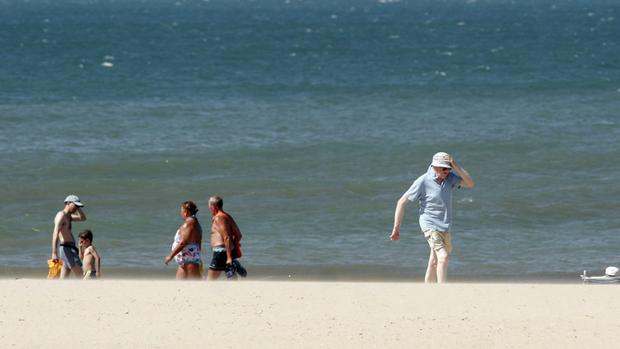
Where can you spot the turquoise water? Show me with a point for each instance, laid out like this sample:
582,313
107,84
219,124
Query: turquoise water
311,118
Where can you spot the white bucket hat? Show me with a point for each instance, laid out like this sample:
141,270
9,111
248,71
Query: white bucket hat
611,271
441,159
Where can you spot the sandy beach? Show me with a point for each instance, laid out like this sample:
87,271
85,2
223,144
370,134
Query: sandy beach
257,314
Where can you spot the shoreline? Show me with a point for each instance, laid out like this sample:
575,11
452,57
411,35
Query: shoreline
256,314
313,273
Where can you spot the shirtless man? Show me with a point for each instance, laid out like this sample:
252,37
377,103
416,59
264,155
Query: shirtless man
225,234
69,252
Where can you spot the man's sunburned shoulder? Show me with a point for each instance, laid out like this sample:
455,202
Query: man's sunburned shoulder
220,219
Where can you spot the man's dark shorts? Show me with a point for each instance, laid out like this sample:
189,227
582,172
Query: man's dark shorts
218,262
69,254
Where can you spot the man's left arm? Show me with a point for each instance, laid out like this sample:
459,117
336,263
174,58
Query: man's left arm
79,215
466,180
223,228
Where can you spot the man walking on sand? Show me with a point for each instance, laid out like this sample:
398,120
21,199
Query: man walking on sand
433,191
69,252
225,238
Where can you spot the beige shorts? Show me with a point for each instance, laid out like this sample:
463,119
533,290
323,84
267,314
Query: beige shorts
438,240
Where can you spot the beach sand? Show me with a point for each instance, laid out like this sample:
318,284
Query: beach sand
280,314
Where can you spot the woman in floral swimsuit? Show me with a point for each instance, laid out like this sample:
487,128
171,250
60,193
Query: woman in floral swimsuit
187,244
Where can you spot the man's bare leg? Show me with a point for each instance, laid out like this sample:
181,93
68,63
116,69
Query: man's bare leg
77,271
442,265
431,269
64,272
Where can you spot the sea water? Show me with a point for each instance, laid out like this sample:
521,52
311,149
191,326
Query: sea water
311,118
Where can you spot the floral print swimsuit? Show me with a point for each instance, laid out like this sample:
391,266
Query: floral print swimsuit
189,254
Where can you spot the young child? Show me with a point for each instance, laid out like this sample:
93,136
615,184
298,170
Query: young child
90,259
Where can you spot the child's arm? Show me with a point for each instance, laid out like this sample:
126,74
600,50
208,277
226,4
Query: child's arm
81,249
97,261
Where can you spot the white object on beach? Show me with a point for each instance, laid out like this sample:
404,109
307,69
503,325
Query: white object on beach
611,271
611,277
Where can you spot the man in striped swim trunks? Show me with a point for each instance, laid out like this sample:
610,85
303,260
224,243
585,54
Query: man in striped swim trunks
433,191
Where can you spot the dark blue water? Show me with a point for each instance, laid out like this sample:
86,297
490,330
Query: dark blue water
311,118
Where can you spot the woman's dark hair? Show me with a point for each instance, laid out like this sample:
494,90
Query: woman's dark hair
190,206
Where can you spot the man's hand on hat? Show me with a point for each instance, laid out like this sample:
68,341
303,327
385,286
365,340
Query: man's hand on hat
451,160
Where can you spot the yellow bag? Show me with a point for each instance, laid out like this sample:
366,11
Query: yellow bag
54,272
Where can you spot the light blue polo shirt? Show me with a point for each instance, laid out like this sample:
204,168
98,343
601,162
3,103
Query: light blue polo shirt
435,199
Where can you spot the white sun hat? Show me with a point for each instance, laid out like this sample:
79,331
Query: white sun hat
441,159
